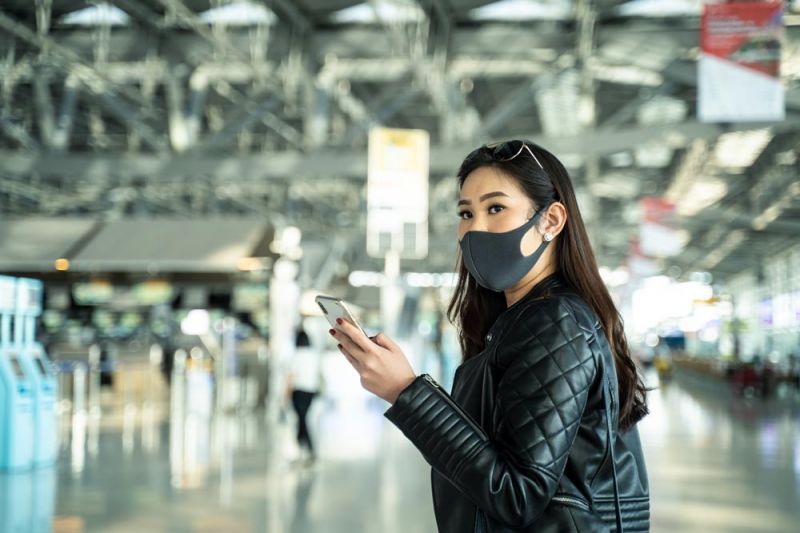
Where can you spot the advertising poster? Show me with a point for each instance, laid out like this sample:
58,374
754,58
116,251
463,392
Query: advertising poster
739,65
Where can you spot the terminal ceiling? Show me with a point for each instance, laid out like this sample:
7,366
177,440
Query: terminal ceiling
165,109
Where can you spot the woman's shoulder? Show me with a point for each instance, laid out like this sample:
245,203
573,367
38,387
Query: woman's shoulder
557,317
558,305
546,331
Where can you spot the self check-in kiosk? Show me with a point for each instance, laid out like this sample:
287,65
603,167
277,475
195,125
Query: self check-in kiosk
16,391
36,365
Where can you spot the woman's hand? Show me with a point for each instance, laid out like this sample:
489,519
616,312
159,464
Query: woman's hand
382,365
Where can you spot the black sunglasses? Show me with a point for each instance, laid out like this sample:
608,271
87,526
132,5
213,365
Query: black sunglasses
508,150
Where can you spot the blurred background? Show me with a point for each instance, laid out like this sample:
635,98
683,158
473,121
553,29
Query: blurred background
180,178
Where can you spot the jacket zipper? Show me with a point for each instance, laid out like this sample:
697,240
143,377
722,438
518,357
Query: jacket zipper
446,397
569,500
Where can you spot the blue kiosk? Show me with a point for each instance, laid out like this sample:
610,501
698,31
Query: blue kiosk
37,366
16,392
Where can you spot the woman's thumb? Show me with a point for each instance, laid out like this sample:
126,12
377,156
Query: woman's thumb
383,340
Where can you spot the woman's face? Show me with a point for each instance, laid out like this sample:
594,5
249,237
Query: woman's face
493,201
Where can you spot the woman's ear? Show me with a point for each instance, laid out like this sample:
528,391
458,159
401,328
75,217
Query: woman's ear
554,219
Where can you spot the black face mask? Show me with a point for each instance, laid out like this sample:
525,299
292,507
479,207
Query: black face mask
495,259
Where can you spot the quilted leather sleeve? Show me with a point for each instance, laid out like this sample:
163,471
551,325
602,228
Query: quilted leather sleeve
540,401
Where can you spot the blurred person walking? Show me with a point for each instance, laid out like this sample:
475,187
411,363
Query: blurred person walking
304,383
539,432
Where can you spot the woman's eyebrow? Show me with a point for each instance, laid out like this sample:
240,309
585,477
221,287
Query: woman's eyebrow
483,198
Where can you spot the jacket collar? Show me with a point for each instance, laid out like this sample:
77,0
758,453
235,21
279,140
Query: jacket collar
552,283
545,288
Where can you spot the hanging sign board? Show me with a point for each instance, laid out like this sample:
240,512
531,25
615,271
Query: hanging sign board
739,65
397,192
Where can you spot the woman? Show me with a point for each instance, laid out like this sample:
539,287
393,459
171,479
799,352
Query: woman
539,431
302,386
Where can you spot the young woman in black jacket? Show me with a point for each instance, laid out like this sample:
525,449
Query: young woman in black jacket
539,432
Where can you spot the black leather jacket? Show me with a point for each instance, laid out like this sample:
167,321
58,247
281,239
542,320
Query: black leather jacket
522,443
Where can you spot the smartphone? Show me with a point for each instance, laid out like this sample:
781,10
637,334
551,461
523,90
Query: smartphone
334,308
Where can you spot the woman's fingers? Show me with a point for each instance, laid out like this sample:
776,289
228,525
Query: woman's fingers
349,346
352,360
355,334
383,340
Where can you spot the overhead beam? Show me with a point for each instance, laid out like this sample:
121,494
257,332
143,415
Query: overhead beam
459,120
140,13
14,131
72,60
271,120
385,106
353,163
287,10
715,236
321,87
508,107
245,116
93,79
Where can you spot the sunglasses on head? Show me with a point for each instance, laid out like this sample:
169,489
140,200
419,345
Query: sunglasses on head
508,150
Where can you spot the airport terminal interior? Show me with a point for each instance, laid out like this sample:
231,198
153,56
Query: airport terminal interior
180,180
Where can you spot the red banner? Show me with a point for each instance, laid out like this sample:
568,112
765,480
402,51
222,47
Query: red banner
747,33
739,67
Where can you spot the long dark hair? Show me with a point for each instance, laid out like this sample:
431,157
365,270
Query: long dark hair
474,309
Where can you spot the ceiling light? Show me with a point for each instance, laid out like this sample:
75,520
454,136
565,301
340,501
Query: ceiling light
626,75
738,150
661,8
62,265
515,10
620,159
238,13
380,11
98,15
662,110
653,155
615,185
701,194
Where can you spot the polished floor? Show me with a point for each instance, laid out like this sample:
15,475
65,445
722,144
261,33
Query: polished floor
716,464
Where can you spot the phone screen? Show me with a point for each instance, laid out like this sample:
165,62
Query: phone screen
334,308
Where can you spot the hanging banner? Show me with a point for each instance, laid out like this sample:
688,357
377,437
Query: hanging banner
659,235
397,192
639,265
739,65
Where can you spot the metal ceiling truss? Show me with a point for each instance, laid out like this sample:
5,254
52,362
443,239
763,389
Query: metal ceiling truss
747,224
278,127
427,53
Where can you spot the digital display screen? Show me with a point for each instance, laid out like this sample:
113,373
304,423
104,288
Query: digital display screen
93,292
7,297
103,319
16,367
52,320
250,297
153,292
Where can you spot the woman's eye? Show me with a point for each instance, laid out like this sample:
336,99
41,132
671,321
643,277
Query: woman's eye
464,215
493,210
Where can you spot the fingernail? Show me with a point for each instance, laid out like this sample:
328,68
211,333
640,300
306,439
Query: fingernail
338,320
332,331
